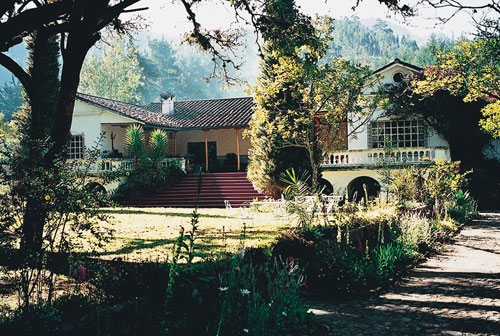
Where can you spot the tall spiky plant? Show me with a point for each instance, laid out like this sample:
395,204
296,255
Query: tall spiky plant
158,141
134,141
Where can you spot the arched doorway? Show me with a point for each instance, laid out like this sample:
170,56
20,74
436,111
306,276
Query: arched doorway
356,191
325,186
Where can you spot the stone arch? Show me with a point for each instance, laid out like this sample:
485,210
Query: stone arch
326,186
95,187
355,190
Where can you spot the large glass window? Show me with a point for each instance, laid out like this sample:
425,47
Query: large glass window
398,134
76,146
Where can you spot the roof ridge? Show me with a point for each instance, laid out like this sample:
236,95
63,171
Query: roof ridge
212,99
109,99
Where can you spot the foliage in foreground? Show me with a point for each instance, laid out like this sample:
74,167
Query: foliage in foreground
233,295
70,202
361,250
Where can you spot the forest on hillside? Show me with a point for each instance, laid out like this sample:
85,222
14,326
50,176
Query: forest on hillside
147,66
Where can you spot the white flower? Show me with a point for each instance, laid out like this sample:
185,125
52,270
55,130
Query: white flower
244,291
223,289
245,330
283,313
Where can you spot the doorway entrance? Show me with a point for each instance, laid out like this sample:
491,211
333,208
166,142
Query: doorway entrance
197,150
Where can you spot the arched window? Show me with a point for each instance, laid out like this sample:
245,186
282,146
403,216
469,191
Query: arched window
398,77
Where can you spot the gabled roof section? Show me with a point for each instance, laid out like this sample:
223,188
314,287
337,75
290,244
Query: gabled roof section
187,115
210,113
396,62
130,110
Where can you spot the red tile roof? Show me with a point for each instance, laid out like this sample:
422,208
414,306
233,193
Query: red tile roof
187,115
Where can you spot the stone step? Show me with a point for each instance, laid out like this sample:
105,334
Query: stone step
215,189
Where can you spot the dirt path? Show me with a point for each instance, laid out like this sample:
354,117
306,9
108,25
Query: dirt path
454,293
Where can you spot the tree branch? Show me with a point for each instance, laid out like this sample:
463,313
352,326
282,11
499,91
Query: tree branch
17,71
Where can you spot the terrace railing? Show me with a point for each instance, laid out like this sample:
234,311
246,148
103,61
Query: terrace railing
374,157
110,165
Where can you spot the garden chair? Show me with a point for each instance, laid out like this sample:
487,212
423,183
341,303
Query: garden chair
243,212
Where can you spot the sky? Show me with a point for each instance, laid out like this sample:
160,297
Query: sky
168,17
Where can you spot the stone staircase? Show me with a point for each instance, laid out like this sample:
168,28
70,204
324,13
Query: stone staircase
215,189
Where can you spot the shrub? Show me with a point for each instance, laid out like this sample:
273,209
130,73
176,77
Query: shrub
146,180
463,207
361,252
416,236
407,186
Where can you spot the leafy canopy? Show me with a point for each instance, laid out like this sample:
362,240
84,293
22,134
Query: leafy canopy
471,70
300,101
115,75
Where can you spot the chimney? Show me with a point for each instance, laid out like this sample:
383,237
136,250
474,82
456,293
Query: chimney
167,103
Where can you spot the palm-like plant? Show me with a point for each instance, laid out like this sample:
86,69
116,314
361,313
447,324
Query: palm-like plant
158,141
134,139
297,189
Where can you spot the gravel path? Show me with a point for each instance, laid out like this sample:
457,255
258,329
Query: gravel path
456,292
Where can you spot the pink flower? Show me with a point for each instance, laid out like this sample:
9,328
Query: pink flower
360,247
80,273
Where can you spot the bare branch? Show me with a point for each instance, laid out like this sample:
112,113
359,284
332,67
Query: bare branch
221,44
474,10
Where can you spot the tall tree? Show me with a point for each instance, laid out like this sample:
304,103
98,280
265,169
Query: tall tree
36,123
160,70
300,101
10,98
278,95
115,73
470,70
78,24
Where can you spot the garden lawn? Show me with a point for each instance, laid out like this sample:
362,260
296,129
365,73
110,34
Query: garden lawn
148,234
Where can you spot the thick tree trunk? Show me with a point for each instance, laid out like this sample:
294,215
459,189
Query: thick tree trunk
73,56
35,212
33,225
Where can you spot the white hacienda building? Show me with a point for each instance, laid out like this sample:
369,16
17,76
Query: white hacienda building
210,133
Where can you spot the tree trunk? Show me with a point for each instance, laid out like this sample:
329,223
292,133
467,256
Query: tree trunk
33,224
35,214
73,56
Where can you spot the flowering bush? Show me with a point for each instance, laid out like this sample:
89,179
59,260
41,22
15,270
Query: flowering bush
64,209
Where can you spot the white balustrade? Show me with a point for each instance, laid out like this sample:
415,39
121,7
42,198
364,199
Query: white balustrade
376,156
109,165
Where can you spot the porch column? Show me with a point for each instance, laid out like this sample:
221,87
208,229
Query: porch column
175,143
206,150
238,148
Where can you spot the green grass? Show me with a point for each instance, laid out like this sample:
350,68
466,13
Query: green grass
150,234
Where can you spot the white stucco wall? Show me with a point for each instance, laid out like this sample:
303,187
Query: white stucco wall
340,179
225,139
91,121
359,139
492,151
